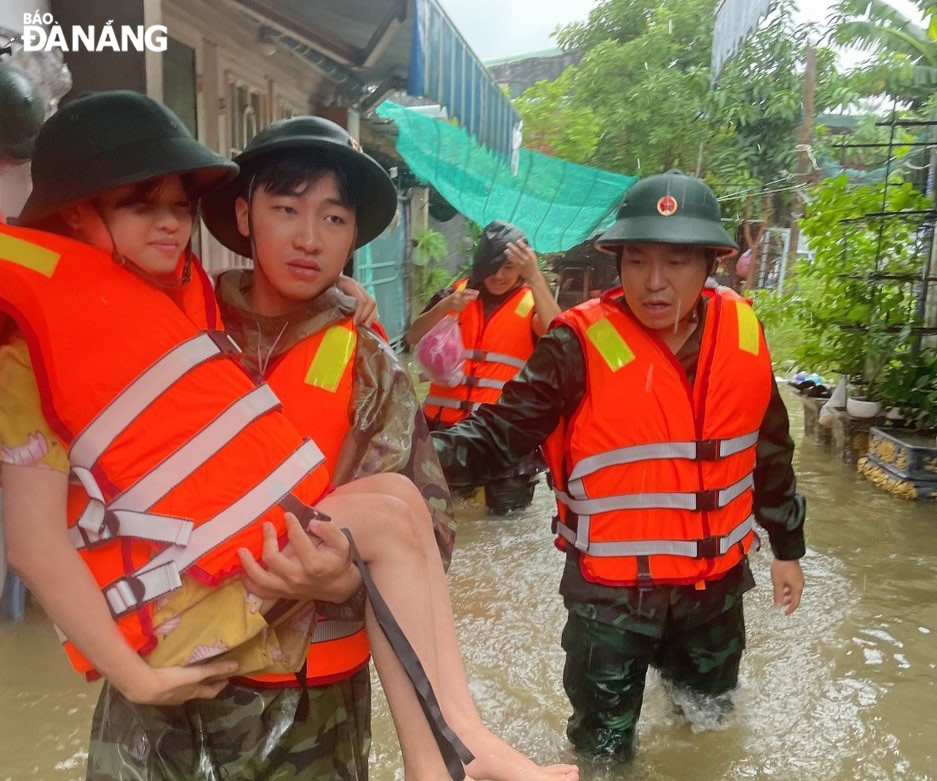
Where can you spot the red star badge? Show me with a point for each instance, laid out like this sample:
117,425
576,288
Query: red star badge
667,205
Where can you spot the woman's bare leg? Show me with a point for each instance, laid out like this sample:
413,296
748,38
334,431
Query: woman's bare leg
494,759
384,537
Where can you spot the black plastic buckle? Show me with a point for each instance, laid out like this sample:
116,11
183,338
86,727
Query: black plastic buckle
111,523
466,406
708,548
707,450
225,344
555,524
707,501
137,589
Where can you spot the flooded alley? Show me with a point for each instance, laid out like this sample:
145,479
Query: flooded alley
844,689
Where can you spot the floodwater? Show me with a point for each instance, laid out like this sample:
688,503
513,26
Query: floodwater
845,689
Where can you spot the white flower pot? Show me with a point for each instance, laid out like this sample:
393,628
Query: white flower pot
894,413
862,409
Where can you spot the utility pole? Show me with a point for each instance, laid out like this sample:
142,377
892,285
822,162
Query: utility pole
804,139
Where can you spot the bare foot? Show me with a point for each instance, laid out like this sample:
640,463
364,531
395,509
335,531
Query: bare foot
495,760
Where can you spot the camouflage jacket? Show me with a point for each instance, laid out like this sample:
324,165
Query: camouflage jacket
387,431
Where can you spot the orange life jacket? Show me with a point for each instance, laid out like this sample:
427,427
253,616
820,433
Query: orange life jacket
653,478
314,380
180,455
496,349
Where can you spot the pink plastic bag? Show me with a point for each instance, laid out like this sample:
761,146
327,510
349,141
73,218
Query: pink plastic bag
441,353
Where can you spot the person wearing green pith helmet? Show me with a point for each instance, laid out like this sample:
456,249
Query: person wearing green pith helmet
667,440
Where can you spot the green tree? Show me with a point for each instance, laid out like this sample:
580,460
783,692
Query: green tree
553,125
904,65
644,86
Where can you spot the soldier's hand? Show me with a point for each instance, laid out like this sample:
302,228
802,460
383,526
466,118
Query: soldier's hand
788,580
365,305
318,566
176,685
457,301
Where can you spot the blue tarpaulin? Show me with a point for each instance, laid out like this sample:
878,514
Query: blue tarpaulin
444,68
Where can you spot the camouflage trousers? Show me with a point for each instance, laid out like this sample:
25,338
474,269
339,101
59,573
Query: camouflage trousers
245,733
608,652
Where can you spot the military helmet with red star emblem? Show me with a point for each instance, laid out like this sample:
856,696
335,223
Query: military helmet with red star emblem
669,208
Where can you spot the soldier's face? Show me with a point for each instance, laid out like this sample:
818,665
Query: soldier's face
662,282
303,240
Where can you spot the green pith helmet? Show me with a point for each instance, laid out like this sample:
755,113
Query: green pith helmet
670,208
104,140
22,112
321,142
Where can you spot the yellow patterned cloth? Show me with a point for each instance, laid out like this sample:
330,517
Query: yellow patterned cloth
193,623
25,437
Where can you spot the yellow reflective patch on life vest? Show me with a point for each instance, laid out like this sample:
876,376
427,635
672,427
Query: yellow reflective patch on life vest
525,304
28,255
749,333
610,344
332,357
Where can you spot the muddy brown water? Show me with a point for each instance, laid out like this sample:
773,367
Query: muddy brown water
844,689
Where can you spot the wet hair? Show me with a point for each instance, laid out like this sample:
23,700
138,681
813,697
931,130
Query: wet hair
292,174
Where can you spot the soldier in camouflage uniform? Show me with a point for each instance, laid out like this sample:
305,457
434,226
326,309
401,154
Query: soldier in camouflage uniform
669,234
251,730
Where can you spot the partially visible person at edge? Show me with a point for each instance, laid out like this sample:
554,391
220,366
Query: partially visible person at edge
22,109
666,437
502,310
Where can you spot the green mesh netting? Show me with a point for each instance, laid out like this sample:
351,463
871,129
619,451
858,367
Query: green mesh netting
556,203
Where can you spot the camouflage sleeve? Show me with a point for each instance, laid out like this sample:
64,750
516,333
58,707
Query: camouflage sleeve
389,434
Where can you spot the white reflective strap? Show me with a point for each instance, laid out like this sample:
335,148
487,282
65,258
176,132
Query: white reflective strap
484,382
664,501
737,534
92,517
687,548
733,491
129,593
335,630
441,401
139,525
129,509
565,532
88,482
629,455
244,511
63,638
136,397
213,532
660,450
487,357
159,481
729,447
672,500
